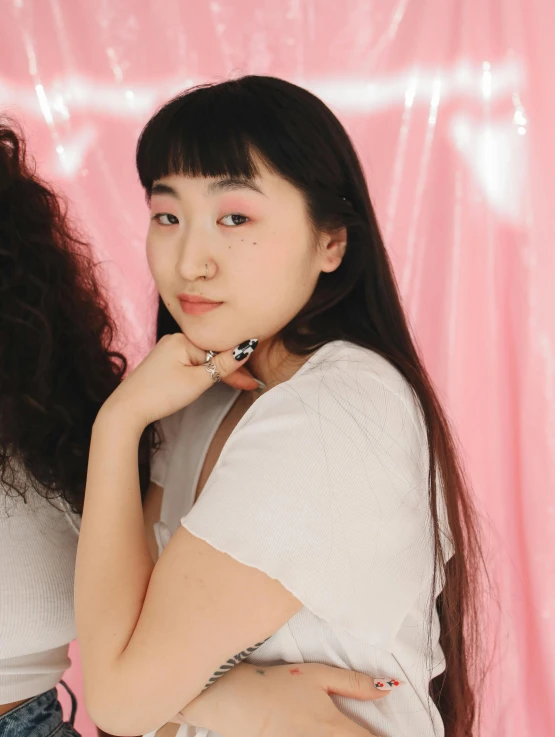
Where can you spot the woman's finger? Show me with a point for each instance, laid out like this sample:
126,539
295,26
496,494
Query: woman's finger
228,362
240,379
353,684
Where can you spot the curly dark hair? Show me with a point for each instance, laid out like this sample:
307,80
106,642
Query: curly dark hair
57,362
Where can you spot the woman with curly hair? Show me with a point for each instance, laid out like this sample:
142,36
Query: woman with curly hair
57,368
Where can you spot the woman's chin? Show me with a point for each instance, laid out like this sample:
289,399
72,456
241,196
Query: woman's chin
210,338
221,334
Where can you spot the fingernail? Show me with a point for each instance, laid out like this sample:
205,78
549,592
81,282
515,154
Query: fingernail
261,384
386,685
245,349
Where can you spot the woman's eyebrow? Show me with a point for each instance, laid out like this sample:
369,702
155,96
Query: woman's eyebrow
229,184
159,188
234,183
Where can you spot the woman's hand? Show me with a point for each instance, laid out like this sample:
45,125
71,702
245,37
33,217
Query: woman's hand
283,701
171,377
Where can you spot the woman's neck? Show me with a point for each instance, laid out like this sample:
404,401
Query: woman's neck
272,364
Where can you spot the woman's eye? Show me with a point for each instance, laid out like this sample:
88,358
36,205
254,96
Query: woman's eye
234,219
164,218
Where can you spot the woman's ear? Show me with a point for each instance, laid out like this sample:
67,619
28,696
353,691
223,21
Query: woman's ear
332,249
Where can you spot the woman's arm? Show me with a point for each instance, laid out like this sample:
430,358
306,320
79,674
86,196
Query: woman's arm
281,701
297,696
173,624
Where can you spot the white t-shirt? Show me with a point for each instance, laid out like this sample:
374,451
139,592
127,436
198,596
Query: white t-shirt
323,485
38,544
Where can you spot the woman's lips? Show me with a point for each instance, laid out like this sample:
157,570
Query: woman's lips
196,305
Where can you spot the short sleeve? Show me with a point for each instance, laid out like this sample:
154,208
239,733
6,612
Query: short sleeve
323,486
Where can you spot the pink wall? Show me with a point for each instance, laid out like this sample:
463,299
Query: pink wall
452,111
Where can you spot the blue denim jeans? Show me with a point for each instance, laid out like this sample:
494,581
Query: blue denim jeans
40,717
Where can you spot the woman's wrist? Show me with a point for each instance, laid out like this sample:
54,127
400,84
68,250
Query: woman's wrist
116,418
211,708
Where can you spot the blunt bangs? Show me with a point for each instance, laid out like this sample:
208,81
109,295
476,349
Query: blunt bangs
200,134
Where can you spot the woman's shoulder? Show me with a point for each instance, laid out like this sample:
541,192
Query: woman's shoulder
342,358
347,374
343,397
30,508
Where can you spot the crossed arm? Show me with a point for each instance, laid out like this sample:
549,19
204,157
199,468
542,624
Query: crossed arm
173,623
242,701
152,511
200,708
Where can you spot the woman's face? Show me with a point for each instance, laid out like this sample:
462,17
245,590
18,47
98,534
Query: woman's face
254,242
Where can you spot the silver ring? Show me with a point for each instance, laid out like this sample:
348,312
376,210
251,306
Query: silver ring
210,355
210,366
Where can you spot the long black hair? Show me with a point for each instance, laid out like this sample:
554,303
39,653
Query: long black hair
217,130
58,363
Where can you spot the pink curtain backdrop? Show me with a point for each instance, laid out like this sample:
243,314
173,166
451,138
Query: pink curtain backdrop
451,107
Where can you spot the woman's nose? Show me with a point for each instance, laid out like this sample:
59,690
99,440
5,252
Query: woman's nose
193,257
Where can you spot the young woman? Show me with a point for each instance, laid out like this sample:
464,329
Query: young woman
323,518
57,367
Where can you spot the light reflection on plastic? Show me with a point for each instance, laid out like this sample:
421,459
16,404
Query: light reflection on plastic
486,80
435,102
43,102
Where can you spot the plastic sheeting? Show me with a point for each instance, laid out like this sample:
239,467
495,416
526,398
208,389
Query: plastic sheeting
451,108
